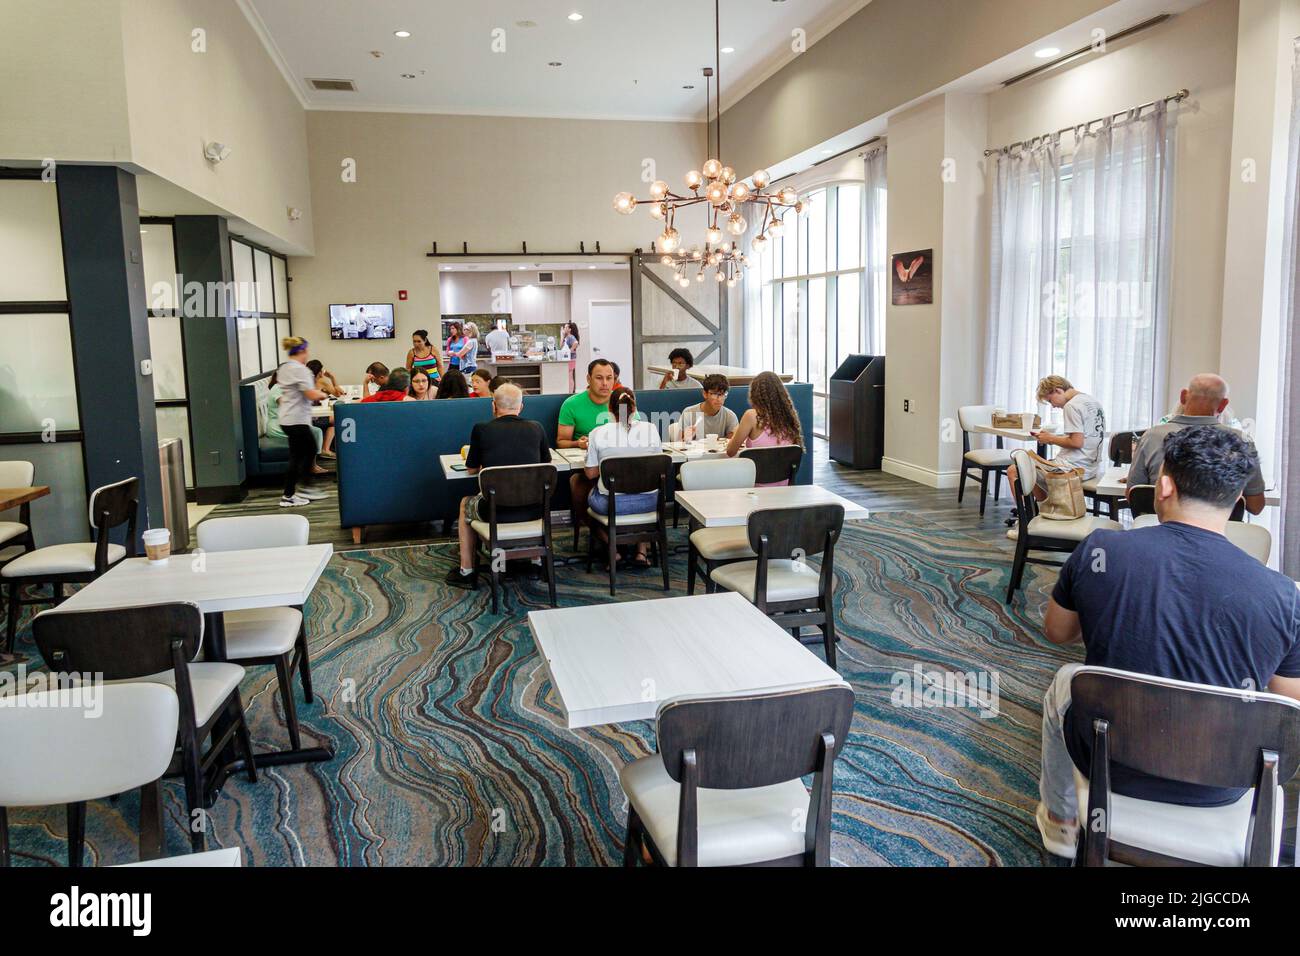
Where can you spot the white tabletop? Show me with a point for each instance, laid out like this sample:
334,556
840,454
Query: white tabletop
731,507
1015,434
617,662
734,374
1112,484
215,581
451,473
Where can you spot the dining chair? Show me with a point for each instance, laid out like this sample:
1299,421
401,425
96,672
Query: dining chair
1033,532
716,546
1119,451
513,487
778,582
1194,733
269,635
774,464
159,644
1254,539
51,753
76,562
16,523
631,475
725,788
1142,504
990,463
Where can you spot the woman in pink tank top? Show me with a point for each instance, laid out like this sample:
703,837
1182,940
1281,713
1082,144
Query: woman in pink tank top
770,419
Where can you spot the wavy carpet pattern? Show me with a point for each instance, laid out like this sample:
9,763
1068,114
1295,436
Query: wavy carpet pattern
451,751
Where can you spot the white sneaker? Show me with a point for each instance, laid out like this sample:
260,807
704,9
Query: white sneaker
296,501
1060,839
312,494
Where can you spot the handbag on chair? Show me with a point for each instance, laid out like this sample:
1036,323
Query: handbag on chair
1064,501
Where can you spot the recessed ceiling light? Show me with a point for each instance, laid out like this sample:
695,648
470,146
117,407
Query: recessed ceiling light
827,152
525,24
1047,52
688,86
575,16
402,33
591,267
728,49
555,63
408,76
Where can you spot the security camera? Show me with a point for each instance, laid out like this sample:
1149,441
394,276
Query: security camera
215,152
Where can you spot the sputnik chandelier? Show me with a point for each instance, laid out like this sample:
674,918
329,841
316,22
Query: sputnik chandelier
728,201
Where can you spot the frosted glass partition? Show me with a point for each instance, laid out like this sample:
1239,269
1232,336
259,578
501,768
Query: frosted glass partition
281,276
159,266
30,247
249,363
60,517
168,357
174,422
281,330
265,297
270,345
36,374
241,260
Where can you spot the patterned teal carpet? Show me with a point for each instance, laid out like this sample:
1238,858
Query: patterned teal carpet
450,750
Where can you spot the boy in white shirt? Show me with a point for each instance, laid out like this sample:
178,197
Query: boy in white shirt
1083,431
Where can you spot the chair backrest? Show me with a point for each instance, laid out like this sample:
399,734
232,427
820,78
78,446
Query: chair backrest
809,531
1254,539
52,752
248,532
722,473
774,463
115,504
1120,450
1142,499
674,431
518,486
1193,733
17,474
968,416
753,741
636,474
121,643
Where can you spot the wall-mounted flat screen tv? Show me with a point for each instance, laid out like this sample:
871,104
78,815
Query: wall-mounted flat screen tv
369,321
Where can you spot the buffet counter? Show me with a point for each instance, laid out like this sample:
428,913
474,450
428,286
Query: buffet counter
535,376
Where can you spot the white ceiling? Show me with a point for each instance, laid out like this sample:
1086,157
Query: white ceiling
626,59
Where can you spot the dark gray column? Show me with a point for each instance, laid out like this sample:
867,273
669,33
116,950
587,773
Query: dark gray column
100,220
211,358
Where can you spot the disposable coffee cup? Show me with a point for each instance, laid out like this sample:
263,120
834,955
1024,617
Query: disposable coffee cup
1027,421
158,545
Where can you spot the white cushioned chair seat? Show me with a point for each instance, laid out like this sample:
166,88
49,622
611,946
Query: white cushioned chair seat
1074,530
11,529
1090,486
514,531
722,544
735,826
1214,836
211,683
786,581
1145,521
989,457
261,632
626,521
76,558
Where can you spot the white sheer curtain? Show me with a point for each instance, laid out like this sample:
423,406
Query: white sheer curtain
1023,282
1117,326
875,254
1288,442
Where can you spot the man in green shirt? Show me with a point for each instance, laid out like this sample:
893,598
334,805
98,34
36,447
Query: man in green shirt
579,415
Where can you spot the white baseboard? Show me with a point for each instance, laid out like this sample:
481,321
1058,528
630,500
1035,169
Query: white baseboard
922,476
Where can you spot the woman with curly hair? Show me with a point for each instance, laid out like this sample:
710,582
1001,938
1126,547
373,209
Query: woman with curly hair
770,419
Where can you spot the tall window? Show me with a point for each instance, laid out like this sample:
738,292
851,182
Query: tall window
261,306
805,312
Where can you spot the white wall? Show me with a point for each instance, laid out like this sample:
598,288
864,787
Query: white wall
588,286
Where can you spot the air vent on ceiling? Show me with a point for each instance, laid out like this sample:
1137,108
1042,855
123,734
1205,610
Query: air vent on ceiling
341,86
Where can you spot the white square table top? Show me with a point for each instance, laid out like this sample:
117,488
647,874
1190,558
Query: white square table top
452,473
214,580
617,662
1113,483
1015,434
731,507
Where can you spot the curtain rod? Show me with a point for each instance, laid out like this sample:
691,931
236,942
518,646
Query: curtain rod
1173,97
844,152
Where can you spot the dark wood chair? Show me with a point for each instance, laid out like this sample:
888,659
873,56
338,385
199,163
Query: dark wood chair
52,753
516,486
694,802
774,463
1194,733
1033,532
632,475
778,583
158,643
980,465
1119,451
78,562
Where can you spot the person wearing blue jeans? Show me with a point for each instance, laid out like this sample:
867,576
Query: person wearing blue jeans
621,435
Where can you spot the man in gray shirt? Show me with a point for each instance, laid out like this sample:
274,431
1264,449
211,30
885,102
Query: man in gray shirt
1202,402
710,417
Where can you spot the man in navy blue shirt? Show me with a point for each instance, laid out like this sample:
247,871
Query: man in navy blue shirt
1176,600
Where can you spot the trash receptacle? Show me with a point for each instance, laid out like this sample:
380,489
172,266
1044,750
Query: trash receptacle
857,411
176,516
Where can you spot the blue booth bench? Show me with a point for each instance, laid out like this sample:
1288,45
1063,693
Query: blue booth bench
388,452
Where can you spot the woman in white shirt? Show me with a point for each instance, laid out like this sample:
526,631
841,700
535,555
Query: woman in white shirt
622,436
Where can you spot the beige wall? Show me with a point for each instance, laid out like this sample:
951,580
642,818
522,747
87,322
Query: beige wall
1196,50
489,181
